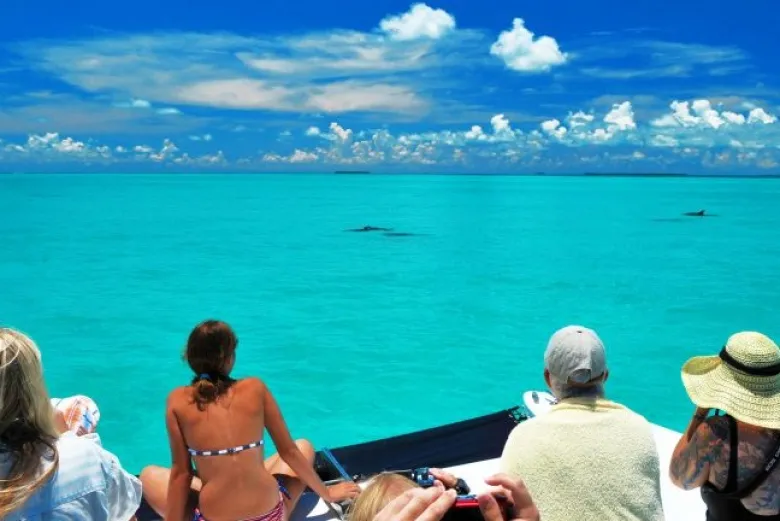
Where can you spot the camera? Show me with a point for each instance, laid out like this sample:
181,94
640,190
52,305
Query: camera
422,476
466,507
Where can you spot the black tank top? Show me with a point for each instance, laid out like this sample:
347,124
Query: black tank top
726,504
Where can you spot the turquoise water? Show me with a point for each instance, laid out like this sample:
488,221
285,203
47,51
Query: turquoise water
360,335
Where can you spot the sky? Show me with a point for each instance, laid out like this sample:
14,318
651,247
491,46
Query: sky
488,86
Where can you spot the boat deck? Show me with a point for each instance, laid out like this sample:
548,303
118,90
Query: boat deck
679,505
469,449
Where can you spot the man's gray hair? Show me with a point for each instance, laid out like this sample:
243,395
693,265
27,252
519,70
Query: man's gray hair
563,390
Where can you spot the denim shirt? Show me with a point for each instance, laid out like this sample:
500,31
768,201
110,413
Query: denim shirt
89,485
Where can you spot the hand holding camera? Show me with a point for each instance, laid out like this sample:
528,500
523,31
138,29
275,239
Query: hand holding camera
508,500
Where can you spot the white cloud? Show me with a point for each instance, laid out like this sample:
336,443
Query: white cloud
168,111
583,130
69,145
350,96
579,119
476,133
662,140
500,124
521,52
732,117
282,73
701,113
697,130
708,115
235,94
168,150
759,115
621,117
340,133
553,128
299,156
207,160
421,21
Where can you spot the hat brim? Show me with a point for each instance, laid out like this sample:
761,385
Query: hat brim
751,399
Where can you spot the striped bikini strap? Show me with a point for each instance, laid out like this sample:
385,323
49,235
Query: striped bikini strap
223,452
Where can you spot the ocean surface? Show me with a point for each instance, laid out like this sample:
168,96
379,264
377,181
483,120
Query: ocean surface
362,335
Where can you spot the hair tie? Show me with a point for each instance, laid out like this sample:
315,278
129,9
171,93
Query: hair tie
203,376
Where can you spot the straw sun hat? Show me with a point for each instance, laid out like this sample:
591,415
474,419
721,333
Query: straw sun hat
743,380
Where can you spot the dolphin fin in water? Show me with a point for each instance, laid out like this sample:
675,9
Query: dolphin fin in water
370,229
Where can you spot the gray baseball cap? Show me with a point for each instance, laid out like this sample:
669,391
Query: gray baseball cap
575,354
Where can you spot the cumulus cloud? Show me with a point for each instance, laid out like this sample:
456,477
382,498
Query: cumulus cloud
521,52
621,117
701,113
340,132
583,129
759,115
553,128
475,133
300,156
421,21
500,124
579,119
689,132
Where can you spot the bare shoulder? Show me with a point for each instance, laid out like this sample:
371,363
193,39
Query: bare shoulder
178,397
251,385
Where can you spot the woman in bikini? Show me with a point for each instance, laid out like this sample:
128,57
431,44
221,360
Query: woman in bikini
217,423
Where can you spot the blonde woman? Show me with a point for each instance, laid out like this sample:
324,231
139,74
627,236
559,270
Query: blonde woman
45,472
392,497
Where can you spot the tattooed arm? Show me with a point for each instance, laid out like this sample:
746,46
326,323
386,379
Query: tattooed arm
696,451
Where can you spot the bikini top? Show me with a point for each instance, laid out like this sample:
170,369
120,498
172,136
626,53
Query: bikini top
223,452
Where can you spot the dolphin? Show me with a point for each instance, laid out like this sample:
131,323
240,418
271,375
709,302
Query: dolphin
700,213
370,229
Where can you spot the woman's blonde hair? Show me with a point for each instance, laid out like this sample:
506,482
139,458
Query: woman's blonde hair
382,489
27,430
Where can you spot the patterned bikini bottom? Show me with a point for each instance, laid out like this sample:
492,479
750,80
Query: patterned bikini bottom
275,514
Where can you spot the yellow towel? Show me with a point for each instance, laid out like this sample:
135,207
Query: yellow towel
588,460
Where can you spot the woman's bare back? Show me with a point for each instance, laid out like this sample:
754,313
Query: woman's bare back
755,448
235,485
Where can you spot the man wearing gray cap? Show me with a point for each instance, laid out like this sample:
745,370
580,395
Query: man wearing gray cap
588,458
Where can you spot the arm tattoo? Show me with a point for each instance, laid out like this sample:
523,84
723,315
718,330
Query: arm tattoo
754,448
691,461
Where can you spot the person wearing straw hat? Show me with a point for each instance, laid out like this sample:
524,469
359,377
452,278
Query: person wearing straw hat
733,456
